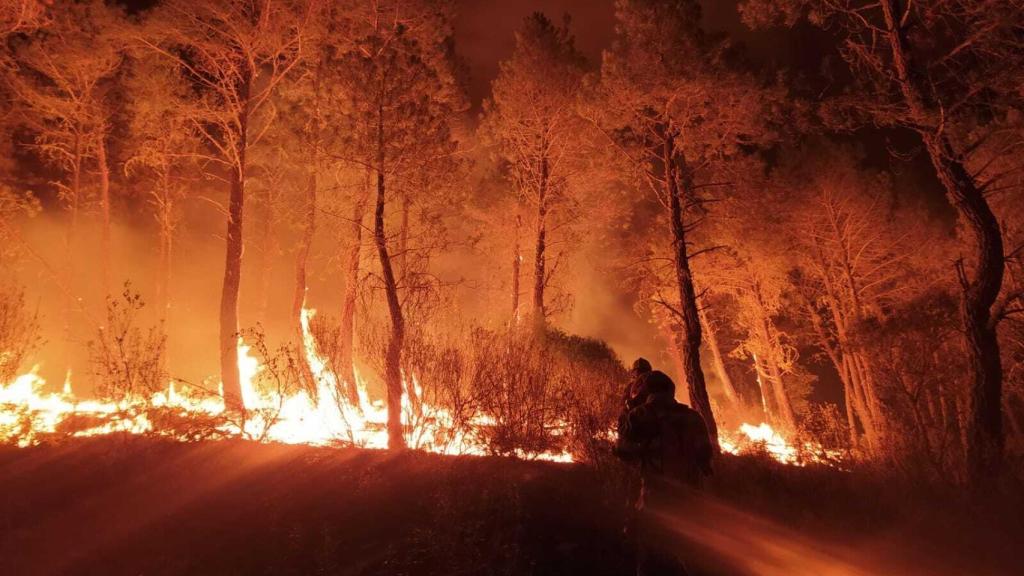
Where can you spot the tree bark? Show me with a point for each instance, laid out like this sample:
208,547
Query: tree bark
299,296
719,361
166,246
104,170
767,402
539,262
308,233
265,248
985,428
690,336
70,240
351,294
782,402
230,376
393,356
517,264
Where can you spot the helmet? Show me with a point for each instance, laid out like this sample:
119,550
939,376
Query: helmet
659,383
641,366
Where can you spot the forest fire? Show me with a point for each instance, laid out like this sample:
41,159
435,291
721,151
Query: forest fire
29,416
704,241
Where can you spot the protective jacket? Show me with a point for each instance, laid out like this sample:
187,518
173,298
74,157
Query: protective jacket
672,438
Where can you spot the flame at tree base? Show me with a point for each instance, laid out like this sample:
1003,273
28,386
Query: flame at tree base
763,437
325,417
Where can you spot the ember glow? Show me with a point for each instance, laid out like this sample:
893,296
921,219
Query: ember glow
763,437
28,415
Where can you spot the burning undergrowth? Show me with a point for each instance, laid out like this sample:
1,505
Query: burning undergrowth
477,392
487,393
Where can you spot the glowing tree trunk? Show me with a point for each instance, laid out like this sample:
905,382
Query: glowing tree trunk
308,232
517,265
348,305
104,173
690,334
539,261
393,355
773,357
233,265
716,354
70,240
301,260
165,250
265,248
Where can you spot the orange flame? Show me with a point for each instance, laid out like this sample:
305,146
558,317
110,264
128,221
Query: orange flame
27,414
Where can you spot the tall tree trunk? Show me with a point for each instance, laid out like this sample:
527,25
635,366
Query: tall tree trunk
980,288
299,295
716,354
104,170
70,240
834,355
393,356
349,298
265,248
517,264
404,275
767,402
782,401
539,261
165,220
229,373
690,336
165,215
672,337
403,243
308,232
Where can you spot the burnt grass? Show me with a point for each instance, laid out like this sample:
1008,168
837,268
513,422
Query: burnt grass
126,505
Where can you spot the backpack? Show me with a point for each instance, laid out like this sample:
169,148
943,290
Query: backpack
675,452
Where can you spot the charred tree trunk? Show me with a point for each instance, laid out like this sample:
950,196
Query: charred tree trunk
233,264
348,305
539,262
980,287
690,335
393,356
104,170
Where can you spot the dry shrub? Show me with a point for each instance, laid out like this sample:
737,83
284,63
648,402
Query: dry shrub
517,394
824,424
19,332
507,390
127,360
280,376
